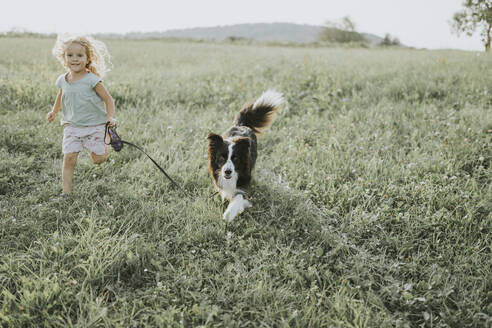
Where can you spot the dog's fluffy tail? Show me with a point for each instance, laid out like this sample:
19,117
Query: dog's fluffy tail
261,113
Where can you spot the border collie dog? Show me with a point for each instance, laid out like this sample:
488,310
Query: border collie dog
232,155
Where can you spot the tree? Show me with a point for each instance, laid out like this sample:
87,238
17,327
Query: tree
348,24
341,32
475,14
388,41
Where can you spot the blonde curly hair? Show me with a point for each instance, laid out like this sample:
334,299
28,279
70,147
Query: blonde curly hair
98,58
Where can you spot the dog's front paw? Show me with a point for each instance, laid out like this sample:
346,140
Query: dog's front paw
228,215
236,207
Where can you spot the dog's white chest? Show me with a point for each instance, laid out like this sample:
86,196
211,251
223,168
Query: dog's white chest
227,187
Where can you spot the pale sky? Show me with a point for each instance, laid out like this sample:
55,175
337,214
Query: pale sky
417,23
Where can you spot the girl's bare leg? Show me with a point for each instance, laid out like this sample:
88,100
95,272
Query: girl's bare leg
69,161
98,159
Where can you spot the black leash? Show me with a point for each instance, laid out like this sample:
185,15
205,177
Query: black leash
117,143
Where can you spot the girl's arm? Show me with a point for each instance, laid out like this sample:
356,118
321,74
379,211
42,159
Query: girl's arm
108,101
56,107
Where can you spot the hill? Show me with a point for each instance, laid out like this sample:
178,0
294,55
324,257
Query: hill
263,32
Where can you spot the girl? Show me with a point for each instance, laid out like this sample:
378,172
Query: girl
84,102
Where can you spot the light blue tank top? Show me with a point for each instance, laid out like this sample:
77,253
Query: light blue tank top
81,106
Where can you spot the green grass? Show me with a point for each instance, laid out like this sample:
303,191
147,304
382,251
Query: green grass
371,196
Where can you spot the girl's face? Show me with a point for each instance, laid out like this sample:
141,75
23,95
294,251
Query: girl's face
76,58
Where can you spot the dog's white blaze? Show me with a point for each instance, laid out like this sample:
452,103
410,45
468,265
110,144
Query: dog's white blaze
228,186
269,97
229,165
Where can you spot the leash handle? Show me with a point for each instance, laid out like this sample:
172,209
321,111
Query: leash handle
114,139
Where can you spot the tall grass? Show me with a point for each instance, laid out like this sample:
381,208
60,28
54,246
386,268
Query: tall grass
371,196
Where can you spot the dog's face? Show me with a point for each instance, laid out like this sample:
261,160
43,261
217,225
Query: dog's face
229,160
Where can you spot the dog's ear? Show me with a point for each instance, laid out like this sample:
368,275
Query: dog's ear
243,144
214,143
243,150
214,139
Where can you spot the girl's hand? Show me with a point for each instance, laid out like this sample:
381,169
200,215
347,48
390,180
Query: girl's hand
51,116
111,121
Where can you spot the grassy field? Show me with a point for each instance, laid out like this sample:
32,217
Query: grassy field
371,195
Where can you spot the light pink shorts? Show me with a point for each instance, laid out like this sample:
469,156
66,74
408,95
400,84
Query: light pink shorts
88,137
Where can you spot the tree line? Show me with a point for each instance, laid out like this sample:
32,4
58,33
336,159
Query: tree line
345,32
